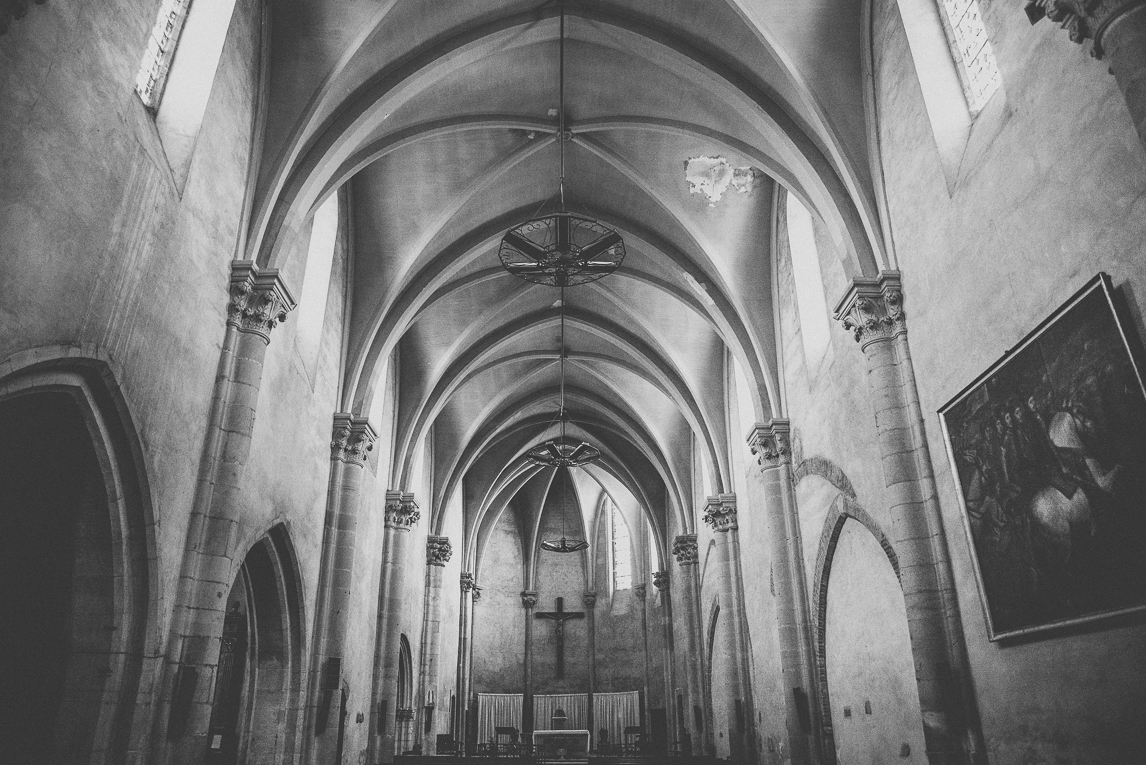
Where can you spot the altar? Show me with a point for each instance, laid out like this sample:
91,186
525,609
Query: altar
573,744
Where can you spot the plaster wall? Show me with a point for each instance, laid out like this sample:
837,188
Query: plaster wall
833,445
621,639
499,618
875,704
99,253
990,259
97,248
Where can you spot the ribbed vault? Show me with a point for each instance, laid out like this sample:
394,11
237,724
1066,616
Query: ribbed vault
441,127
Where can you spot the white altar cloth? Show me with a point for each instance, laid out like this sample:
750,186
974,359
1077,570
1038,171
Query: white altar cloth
561,742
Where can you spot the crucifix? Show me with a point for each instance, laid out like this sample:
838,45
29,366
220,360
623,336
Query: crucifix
559,616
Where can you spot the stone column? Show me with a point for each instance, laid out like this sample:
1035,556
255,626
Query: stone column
1118,31
528,603
685,552
259,301
661,582
720,515
770,444
640,591
465,630
873,311
351,440
589,599
438,552
401,513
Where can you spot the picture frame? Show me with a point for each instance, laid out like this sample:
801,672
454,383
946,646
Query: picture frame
1048,451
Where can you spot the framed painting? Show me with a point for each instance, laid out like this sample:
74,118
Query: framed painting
1048,449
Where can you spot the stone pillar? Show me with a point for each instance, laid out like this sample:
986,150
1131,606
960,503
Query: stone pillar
873,311
1118,31
438,552
641,592
528,603
686,554
770,443
259,301
589,599
465,642
351,440
661,582
720,515
401,513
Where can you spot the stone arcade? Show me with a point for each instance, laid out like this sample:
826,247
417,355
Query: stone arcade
267,393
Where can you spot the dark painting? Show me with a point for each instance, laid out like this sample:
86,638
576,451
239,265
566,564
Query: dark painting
1049,449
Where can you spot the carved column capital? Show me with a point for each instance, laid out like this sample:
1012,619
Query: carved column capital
720,512
640,590
401,510
771,443
352,439
528,598
684,550
661,580
259,300
475,592
872,309
438,550
467,581
589,598
1082,19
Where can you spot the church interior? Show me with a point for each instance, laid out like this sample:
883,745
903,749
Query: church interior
611,381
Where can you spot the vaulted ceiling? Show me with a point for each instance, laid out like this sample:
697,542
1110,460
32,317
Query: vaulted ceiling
440,118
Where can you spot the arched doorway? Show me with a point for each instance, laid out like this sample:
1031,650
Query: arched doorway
720,666
405,714
74,561
870,671
256,700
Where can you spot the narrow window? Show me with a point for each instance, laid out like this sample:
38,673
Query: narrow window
810,305
316,281
622,552
178,71
979,72
160,51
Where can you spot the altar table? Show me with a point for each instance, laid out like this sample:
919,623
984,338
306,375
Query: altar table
559,743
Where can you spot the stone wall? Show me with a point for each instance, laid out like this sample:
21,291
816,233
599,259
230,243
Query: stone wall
499,637
989,262
102,256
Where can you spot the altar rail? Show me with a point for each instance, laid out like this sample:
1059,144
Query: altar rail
502,758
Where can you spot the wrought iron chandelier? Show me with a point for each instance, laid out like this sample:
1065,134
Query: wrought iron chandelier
564,544
562,249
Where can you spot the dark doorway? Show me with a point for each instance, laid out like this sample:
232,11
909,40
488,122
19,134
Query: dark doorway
255,702
58,616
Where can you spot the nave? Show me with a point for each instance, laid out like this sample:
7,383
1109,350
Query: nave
622,381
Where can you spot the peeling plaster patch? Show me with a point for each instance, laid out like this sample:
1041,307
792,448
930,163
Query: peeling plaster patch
712,176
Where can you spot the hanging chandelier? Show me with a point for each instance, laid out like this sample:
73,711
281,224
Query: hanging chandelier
562,249
564,544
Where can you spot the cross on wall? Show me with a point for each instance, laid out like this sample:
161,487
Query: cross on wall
558,617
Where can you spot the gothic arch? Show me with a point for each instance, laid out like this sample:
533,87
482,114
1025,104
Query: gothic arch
842,509
828,470
269,635
105,691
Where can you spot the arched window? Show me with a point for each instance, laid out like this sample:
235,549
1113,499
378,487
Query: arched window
316,282
622,551
979,72
176,87
810,304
